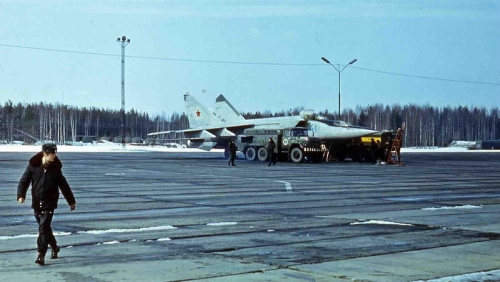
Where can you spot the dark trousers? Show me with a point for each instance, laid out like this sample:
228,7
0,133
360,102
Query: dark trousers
45,235
231,159
272,158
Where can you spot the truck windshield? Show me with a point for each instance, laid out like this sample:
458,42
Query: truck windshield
298,132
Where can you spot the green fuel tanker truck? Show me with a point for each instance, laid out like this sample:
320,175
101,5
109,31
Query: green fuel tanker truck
291,144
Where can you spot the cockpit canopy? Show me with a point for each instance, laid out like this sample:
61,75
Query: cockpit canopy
311,115
340,123
308,114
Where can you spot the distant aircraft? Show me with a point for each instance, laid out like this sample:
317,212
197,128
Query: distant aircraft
208,130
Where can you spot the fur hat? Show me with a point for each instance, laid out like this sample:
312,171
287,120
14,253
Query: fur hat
49,148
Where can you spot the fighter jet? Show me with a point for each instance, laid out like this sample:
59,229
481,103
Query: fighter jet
208,130
336,135
319,126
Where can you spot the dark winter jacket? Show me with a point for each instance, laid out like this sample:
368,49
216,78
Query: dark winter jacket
232,149
270,147
45,184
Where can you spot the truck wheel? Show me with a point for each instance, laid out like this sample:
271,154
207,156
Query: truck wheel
262,154
297,155
250,154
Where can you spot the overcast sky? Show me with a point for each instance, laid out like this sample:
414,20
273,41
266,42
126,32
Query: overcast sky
262,55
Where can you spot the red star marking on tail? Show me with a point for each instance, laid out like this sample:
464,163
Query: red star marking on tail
198,113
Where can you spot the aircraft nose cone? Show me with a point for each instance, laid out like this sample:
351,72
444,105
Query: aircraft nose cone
360,132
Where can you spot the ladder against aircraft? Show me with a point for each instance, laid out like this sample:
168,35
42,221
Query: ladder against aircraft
394,156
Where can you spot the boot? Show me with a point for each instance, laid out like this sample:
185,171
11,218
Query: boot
55,252
40,259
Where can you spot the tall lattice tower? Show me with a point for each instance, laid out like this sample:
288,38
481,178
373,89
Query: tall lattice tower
123,41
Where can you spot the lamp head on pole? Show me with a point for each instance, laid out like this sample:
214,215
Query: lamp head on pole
352,62
123,39
325,60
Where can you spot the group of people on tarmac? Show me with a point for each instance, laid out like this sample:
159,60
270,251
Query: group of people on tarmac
376,152
271,146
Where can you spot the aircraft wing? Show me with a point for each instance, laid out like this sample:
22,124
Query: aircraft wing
217,131
175,131
240,127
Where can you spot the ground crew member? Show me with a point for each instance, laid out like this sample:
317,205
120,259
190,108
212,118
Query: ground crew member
45,176
397,146
270,152
373,151
232,153
387,151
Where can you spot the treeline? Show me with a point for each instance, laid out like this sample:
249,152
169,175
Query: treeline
62,123
425,125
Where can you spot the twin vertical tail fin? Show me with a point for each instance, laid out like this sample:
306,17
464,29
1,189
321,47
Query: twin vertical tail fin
225,111
198,115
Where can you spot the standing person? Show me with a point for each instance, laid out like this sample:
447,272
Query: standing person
373,151
387,151
379,150
46,178
232,153
397,146
270,152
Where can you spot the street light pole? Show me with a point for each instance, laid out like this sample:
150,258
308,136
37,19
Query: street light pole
339,71
123,42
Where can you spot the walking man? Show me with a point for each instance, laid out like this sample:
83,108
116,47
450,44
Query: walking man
45,176
232,153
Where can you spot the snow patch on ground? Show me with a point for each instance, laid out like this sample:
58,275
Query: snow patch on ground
381,222
487,276
31,235
111,243
221,223
111,148
144,229
452,208
445,150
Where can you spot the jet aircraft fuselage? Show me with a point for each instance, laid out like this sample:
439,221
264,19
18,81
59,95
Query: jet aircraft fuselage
209,129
